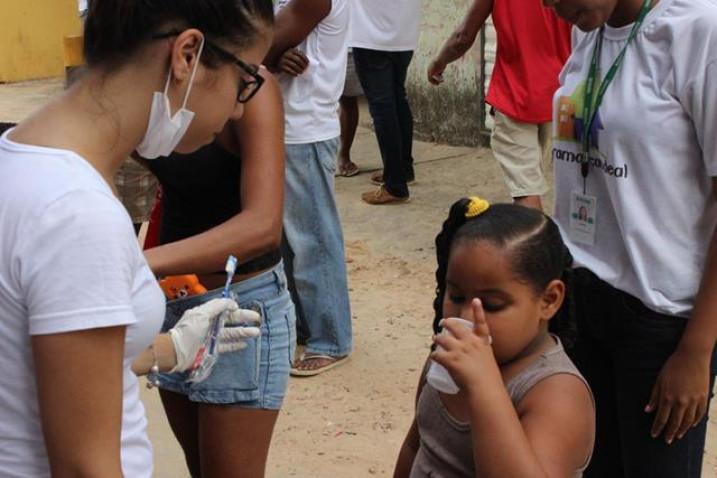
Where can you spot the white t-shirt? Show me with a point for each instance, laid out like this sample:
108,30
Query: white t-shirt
311,99
69,261
385,26
657,154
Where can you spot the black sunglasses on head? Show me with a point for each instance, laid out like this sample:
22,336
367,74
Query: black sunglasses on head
247,88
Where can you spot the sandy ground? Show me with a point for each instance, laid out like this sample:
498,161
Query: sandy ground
350,422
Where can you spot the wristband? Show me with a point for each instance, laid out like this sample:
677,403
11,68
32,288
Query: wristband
153,375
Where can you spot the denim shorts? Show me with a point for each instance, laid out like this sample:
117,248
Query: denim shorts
258,375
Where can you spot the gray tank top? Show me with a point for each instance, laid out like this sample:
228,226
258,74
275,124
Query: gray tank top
446,448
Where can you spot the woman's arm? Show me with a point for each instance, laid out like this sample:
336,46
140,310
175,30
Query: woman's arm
162,351
701,332
680,395
79,391
293,23
461,39
176,350
257,228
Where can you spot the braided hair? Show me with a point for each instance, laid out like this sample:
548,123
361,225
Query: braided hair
538,254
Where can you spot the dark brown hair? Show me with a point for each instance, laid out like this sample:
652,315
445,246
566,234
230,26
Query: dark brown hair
116,29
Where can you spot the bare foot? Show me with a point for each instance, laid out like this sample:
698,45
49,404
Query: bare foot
347,169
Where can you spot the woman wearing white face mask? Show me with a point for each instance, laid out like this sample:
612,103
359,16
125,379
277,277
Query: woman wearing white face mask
80,305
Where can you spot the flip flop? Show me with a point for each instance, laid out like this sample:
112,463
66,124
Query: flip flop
350,170
333,362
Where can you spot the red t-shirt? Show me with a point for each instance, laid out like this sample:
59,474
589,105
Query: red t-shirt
533,44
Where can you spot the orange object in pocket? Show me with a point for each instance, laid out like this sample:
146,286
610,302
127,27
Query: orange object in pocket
176,287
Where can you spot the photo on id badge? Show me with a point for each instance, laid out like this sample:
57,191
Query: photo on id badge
582,218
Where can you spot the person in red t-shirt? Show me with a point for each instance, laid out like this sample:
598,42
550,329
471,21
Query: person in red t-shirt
533,45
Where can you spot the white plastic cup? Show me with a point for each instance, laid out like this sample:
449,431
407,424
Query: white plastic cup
437,376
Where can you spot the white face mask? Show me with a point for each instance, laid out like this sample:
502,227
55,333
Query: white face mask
164,132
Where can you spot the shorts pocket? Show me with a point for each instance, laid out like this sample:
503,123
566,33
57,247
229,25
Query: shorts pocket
176,308
238,370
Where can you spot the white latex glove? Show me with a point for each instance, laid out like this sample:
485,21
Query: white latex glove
189,333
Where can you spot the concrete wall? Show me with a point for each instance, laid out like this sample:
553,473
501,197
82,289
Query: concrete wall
450,113
31,36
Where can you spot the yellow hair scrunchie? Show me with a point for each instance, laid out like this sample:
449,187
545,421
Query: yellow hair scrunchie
476,207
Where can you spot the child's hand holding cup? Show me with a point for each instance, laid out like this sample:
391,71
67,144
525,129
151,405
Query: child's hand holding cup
438,376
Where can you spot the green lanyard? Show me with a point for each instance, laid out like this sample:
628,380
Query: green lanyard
592,100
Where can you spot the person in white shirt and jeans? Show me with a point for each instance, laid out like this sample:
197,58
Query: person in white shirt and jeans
310,51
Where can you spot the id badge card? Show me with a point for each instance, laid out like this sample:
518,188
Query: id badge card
583,222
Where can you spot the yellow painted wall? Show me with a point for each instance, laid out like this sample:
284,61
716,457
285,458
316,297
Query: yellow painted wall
31,37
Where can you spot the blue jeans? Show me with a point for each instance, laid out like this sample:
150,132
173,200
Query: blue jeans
314,249
258,375
620,349
383,79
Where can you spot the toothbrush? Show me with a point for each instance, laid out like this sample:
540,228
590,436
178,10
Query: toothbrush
230,267
206,356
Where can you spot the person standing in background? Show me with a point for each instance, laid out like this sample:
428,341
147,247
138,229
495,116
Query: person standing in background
533,44
309,50
383,42
349,116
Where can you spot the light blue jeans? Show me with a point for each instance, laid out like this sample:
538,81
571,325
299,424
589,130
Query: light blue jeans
258,375
316,248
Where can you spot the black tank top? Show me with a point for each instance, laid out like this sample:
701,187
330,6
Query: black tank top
199,191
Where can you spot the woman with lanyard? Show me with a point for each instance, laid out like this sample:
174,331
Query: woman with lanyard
635,155
80,307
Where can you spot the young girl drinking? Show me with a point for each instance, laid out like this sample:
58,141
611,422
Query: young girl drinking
522,408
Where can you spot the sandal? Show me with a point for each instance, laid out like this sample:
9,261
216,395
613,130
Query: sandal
298,369
348,170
